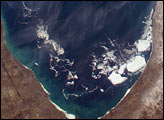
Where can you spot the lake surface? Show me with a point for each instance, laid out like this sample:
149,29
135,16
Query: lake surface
86,55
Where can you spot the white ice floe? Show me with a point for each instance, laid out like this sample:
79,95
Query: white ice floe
36,64
38,46
133,63
41,32
69,62
75,77
57,59
102,90
100,66
54,60
93,89
96,76
111,42
25,7
115,67
56,72
122,69
55,46
136,64
104,47
70,83
27,12
110,55
86,88
143,45
70,76
52,67
146,39
116,78
66,96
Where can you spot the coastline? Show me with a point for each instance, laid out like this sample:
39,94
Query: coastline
17,81
129,88
111,114
69,116
136,105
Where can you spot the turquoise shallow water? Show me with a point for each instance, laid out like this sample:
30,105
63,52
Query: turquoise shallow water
82,36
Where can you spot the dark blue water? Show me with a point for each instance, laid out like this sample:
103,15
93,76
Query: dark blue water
80,29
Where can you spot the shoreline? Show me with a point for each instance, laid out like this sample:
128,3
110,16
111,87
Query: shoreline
128,90
69,116
130,100
19,89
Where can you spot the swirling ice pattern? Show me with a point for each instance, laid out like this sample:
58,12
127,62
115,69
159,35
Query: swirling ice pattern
102,67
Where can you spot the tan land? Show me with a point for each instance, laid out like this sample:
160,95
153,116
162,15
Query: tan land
23,97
